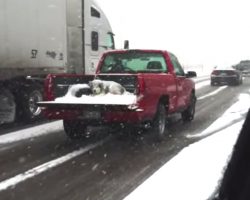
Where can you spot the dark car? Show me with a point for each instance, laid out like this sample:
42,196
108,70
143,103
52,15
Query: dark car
229,76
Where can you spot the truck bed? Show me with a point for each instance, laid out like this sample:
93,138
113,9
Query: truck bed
61,84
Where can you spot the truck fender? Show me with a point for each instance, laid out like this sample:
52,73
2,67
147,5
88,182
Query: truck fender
165,100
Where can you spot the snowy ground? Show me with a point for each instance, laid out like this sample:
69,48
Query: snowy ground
196,171
36,131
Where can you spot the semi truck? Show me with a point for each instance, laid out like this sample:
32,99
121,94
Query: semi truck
42,37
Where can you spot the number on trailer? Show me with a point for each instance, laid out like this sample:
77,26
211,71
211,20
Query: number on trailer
34,53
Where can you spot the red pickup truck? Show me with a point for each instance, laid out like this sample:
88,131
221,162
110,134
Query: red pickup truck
154,77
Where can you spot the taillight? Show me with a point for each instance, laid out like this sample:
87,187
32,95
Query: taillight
48,88
231,73
214,73
140,86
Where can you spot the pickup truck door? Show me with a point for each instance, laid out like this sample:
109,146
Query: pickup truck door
180,83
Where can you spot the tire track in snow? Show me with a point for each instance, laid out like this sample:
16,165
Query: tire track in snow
212,93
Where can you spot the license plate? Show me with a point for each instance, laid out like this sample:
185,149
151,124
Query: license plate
91,115
223,74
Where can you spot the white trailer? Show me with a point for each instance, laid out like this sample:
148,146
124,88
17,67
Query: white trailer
38,37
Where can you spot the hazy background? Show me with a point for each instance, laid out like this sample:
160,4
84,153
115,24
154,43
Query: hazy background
199,32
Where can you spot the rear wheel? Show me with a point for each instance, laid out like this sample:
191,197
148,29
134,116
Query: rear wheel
27,99
235,82
159,123
239,81
74,129
212,83
188,114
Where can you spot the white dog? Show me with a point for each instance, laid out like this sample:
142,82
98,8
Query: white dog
104,87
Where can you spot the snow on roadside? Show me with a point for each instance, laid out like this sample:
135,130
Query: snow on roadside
212,93
196,171
192,174
32,132
235,113
201,78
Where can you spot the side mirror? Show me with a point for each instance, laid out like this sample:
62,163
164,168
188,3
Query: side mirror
191,74
126,44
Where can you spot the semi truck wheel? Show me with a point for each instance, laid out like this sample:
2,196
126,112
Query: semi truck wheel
159,123
188,114
27,99
74,129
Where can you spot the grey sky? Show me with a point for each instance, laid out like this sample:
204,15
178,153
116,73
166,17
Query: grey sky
208,32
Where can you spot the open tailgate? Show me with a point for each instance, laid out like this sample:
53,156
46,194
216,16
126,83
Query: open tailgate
85,106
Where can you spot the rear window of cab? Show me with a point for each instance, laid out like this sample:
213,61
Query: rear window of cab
133,62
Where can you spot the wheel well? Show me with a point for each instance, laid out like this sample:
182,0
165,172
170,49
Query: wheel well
165,100
193,92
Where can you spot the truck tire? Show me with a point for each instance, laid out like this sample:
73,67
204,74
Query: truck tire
27,108
74,129
238,82
212,83
241,81
159,123
188,114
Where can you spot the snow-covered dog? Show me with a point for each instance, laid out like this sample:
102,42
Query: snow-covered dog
104,87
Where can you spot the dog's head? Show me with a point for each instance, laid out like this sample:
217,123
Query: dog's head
96,87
